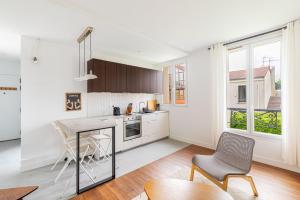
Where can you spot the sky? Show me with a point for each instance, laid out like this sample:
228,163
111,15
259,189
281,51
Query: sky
238,59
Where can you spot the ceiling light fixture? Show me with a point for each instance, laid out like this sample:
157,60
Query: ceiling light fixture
82,39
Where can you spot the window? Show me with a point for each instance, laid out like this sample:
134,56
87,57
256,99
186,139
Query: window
175,91
237,76
180,97
242,93
253,96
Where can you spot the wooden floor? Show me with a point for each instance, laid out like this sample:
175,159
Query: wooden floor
272,183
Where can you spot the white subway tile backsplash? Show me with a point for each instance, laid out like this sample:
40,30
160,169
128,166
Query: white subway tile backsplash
100,104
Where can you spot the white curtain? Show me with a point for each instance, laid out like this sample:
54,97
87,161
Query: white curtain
166,86
218,67
291,93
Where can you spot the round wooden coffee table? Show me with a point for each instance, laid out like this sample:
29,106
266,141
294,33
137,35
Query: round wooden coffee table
176,189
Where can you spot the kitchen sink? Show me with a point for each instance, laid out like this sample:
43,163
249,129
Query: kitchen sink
145,112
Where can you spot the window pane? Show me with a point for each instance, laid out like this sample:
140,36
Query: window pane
237,90
267,88
242,93
167,71
180,84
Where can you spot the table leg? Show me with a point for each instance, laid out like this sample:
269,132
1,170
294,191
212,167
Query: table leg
77,161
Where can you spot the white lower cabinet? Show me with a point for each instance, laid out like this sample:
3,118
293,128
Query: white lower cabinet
155,126
118,137
132,143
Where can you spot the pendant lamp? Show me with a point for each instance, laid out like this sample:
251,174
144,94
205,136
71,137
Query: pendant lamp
83,75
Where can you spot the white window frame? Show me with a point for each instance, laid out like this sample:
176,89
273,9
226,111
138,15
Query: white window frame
249,45
171,66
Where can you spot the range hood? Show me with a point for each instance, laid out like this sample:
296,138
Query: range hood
82,39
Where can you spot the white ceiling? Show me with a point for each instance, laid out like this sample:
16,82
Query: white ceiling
150,30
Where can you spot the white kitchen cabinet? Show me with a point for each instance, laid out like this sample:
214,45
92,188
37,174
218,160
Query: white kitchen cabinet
163,125
132,143
155,126
118,136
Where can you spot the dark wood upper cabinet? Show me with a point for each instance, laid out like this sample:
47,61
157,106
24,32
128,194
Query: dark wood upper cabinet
116,77
131,78
145,80
111,77
98,68
121,78
153,81
159,77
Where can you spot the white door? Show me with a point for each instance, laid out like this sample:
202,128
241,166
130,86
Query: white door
10,116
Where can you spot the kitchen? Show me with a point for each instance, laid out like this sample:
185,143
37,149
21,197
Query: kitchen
140,123
127,96
143,113
58,96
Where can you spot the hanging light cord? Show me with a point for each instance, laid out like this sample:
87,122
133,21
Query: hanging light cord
91,45
79,60
84,56
82,38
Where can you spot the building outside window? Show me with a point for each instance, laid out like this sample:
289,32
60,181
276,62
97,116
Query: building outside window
254,88
242,93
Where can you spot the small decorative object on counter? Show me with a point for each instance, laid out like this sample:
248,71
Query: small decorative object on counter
158,107
116,111
129,109
73,101
151,104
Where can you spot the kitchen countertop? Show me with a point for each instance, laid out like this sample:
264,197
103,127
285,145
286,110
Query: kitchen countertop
121,116
79,124
84,124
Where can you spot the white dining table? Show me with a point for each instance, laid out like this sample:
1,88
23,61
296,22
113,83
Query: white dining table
78,126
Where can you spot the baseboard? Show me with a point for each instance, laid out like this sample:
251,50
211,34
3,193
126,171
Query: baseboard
42,161
261,159
275,163
202,144
37,162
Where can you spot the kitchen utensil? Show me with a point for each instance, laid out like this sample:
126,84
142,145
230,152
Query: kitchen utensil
129,109
116,110
152,105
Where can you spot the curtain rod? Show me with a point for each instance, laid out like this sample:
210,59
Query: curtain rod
253,36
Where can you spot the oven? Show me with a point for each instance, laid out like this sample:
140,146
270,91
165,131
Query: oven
132,129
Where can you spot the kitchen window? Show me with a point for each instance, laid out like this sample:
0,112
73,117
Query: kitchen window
253,88
175,84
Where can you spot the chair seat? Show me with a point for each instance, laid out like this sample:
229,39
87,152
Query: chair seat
215,167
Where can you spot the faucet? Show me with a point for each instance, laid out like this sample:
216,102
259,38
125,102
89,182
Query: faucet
140,106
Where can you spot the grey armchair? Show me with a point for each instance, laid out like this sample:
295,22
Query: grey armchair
232,158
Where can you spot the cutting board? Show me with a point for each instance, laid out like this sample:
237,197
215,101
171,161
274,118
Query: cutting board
152,105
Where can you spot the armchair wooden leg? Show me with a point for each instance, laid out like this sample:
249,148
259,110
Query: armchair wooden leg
225,183
192,172
249,178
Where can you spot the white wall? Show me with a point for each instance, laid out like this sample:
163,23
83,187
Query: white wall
191,123
43,94
9,66
102,103
42,99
